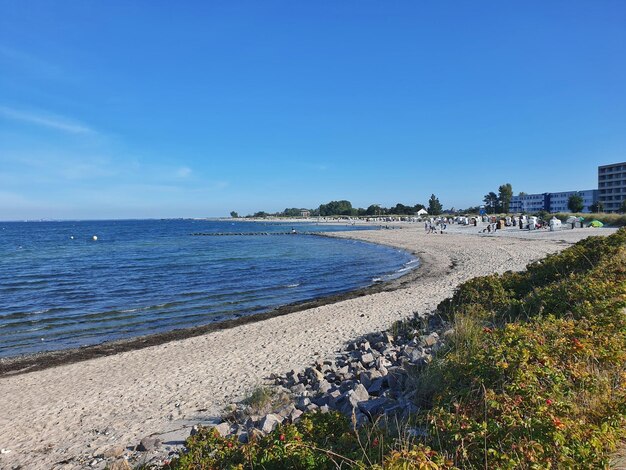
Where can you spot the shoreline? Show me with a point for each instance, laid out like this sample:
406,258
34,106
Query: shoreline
56,417
25,363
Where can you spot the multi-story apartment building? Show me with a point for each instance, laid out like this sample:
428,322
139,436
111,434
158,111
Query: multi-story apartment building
558,201
551,202
612,186
529,203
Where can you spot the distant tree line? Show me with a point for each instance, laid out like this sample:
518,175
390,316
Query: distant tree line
495,203
345,208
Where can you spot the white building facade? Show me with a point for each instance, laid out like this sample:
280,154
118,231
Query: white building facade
528,203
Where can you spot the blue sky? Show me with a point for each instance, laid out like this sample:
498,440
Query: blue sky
185,109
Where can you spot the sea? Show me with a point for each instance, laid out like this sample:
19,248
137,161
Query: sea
70,284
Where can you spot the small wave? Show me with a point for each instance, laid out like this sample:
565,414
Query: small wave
131,310
39,312
377,279
36,329
149,307
291,286
18,315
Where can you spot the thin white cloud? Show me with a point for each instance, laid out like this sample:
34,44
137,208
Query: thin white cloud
183,172
81,171
316,166
45,120
52,164
34,65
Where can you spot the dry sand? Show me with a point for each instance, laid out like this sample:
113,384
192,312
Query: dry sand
50,417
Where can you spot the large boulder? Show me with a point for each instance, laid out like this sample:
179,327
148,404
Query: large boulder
323,386
269,423
357,394
295,415
148,443
367,359
303,402
223,429
376,386
374,406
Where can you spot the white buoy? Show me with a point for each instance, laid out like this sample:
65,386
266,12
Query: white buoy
71,237
95,237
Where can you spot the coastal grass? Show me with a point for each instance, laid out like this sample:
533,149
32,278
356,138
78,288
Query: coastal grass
262,400
533,376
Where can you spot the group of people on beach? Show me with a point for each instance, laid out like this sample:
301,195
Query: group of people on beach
435,226
493,223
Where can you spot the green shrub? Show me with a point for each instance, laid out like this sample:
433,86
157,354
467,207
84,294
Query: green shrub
318,441
545,389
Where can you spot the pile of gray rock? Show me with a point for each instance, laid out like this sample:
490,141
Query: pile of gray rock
365,381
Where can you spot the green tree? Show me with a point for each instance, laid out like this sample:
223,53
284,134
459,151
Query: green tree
522,193
234,215
374,209
336,208
401,209
575,203
505,193
622,208
597,207
434,206
292,212
491,202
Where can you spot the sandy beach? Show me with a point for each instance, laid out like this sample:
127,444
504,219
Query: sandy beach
57,417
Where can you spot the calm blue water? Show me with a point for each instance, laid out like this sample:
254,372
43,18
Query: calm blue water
152,276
